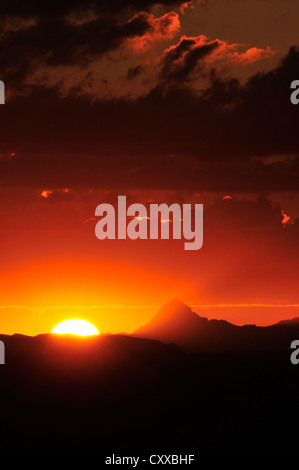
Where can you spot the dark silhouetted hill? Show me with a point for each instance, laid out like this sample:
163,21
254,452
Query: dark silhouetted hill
177,323
123,395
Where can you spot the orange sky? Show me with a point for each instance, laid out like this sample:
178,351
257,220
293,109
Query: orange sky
54,268
185,102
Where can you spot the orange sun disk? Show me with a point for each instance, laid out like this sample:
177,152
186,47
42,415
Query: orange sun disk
75,327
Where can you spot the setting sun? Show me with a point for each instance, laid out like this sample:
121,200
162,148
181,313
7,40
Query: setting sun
75,327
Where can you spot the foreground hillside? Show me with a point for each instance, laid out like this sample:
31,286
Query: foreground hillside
119,393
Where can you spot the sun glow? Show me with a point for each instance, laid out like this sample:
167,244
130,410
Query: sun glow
75,327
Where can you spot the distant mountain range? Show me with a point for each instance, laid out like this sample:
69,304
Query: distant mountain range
121,392
177,323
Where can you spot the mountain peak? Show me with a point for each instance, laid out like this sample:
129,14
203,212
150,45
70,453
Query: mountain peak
174,320
176,309
176,323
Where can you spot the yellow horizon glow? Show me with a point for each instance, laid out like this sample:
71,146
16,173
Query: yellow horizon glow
75,327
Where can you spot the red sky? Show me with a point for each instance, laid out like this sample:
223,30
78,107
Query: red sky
170,103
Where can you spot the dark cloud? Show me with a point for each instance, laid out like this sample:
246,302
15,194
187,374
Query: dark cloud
134,72
257,119
198,57
56,9
61,44
37,34
225,139
178,62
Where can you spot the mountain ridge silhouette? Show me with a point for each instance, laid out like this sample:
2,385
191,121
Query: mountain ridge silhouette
176,323
122,392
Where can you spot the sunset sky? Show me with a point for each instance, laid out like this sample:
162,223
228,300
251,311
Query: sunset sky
185,102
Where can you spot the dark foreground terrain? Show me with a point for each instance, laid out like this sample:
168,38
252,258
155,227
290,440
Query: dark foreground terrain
115,393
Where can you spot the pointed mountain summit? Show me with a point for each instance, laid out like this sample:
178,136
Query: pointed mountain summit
177,323
174,315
